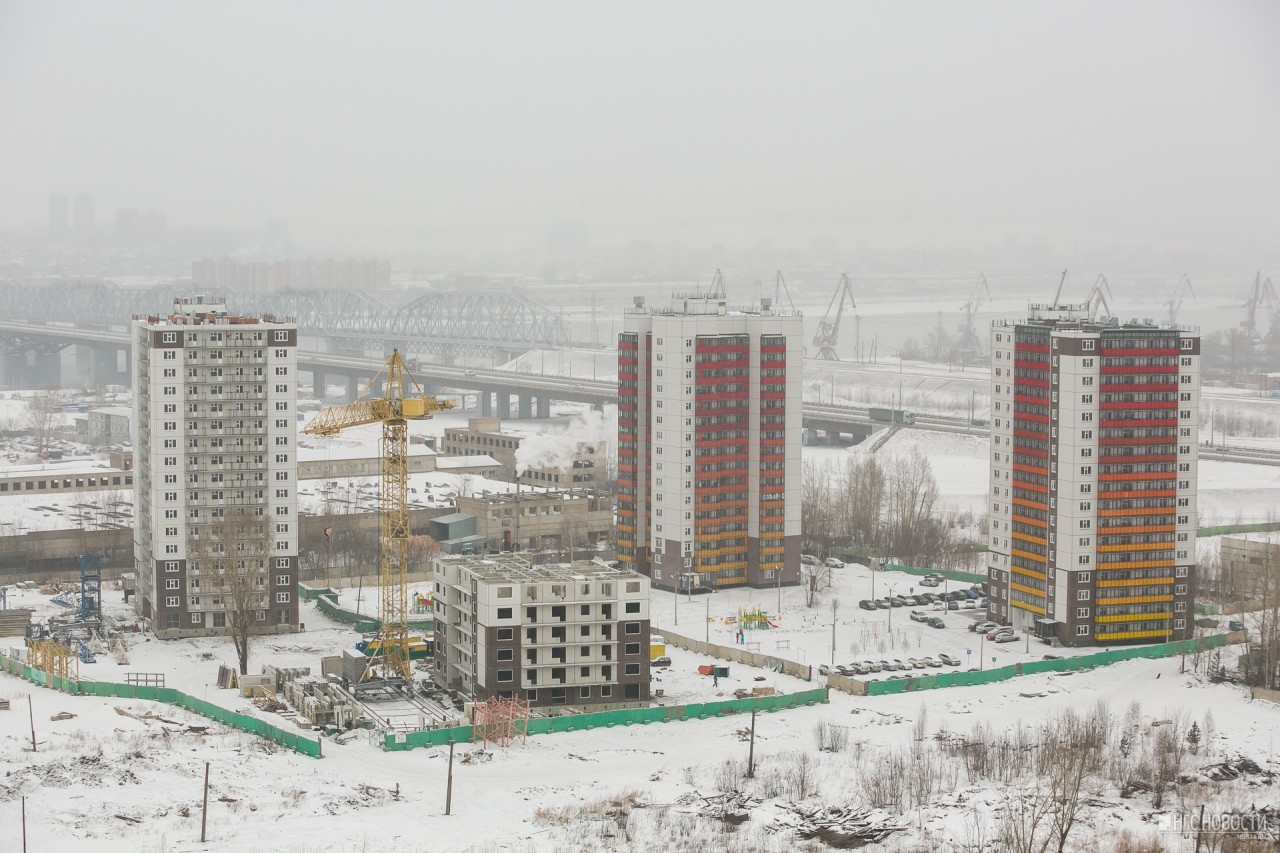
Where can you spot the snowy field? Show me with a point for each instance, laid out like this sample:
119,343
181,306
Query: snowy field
125,775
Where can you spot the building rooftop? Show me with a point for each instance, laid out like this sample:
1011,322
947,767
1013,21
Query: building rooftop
510,568
115,411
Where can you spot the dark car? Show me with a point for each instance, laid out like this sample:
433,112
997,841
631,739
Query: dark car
867,604
898,601
936,622
660,661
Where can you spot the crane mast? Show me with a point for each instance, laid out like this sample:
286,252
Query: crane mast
402,400
829,327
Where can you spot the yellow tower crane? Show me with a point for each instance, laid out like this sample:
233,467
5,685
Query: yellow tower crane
401,401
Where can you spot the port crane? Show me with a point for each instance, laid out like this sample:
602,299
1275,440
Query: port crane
829,327
970,343
1264,297
1174,302
401,401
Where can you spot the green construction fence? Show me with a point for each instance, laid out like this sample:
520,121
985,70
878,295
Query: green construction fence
622,717
291,740
1224,529
1003,673
327,601
961,577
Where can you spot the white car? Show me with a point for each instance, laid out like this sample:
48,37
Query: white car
809,560
833,563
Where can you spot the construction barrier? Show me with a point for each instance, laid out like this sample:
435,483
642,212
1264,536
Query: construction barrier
1224,529
960,577
739,654
621,717
327,601
291,740
1066,664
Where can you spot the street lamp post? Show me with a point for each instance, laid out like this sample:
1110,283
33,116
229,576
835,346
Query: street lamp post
982,644
891,586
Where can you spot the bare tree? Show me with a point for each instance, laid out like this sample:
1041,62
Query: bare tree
42,414
232,554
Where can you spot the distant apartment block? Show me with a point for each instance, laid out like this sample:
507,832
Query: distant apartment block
709,424
111,425
216,468
571,636
1093,477
579,464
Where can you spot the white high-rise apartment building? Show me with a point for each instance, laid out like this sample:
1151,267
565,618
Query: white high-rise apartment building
709,423
215,458
1093,477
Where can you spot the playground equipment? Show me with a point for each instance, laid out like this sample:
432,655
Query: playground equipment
752,618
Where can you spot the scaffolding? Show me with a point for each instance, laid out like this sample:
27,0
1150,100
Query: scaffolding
90,587
54,657
500,721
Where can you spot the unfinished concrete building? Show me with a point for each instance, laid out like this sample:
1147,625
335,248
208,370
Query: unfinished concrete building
573,635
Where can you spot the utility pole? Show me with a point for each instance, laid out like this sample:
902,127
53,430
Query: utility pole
777,573
751,750
204,808
32,715
675,592
833,633
24,811
982,643
448,790
707,624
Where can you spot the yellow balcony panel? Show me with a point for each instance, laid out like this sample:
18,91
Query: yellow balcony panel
1134,599
1135,617
1131,635
1022,605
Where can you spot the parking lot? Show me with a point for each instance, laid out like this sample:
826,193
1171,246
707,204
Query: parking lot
806,632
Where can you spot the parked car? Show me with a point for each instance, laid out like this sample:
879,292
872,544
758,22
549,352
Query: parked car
898,601
883,603
833,563
983,627
969,605
823,669
660,661
933,662
919,616
1000,632
949,660
930,582
900,665
953,605
873,665
916,663
809,560
1235,625
936,622
888,665
867,604
1006,638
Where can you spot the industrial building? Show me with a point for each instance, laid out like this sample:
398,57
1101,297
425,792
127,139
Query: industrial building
553,518
1093,476
580,463
709,426
573,635
216,470
1250,567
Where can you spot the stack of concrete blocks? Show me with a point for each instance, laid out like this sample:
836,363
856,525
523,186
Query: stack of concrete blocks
320,701
253,686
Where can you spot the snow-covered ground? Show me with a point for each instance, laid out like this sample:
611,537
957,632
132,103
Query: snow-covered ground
124,775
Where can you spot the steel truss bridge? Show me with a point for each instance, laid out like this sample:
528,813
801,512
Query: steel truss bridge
448,322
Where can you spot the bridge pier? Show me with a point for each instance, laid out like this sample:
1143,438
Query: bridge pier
525,403
504,406
110,365
353,387
46,369
486,404
544,407
319,381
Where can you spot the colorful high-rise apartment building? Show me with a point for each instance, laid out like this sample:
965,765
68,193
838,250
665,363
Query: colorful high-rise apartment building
1093,477
709,424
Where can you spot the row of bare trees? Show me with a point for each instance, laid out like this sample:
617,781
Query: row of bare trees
891,506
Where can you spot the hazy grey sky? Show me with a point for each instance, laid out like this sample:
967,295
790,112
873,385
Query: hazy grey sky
405,124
